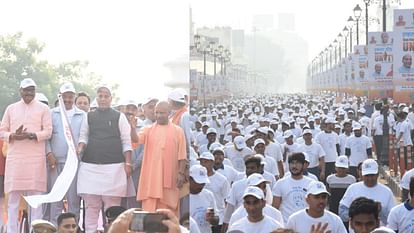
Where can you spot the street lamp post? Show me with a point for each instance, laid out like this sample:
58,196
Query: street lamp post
345,33
213,52
366,20
330,56
340,46
384,15
350,26
204,50
335,42
357,14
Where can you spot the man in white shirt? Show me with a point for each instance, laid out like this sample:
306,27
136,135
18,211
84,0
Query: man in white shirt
330,144
273,149
347,132
211,135
381,137
403,134
317,199
228,171
405,184
315,153
237,152
363,215
255,221
201,199
218,185
289,192
358,148
259,181
369,188
401,217
270,166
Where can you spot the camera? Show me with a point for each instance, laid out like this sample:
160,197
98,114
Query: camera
144,221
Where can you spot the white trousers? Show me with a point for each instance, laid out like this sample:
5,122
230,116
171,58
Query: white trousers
13,210
93,204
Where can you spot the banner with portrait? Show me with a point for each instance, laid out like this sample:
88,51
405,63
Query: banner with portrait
361,70
404,53
380,64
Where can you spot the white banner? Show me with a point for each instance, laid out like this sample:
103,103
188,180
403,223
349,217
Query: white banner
65,178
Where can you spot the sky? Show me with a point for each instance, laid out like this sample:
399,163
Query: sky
126,41
317,21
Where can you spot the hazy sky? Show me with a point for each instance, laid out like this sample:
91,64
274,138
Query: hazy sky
125,41
317,21
128,41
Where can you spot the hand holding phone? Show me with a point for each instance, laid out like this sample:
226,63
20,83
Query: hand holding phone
144,221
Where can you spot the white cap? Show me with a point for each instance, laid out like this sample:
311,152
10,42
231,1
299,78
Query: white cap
199,174
211,130
369,167
67,87
337,126
207,155
307,131
255,179
342,161
177,95
258,141
205,124
148,100
46,226
239,142
130,102
219,148
316,188
27,82
406,110
256,109
307,158
330,120
311,119
356,126
263,130
383,230
253,191
287,134
41,97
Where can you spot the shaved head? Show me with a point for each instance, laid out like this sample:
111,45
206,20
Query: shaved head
162,111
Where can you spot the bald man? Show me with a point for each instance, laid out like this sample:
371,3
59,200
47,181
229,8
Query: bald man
163,164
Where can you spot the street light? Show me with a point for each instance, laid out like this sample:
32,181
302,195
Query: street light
330,56
335,43
204,50
350,26
357,14
366,20
345,32
340,47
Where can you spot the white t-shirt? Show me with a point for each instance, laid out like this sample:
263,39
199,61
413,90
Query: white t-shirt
308,174
274,150
379,121
301,222
266,225
328,142
237,157
379,192
405,180
198,208
220,188
271,166
235,196
401,218
293,194
229,172
194,226
268,210
315,152
358,146
342,141
405,128
201,139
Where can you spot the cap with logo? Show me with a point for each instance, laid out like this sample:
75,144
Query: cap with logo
27,82
67,87
207,155
258,141
199,174
369,167
342,161
253,191
239,142
316,188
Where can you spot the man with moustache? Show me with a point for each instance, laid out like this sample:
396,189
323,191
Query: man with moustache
57,150
289,192
26,125
105,150
163,164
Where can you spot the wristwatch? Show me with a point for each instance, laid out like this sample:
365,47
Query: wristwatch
32,136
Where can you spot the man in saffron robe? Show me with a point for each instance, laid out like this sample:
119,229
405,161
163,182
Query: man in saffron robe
26,126
163,164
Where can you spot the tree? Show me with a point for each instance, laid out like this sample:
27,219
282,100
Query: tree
19,60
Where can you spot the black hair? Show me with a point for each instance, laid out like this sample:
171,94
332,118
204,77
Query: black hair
363,205
83,94
253,159
300,157
63,216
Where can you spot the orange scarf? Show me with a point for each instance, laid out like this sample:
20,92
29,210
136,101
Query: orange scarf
177,115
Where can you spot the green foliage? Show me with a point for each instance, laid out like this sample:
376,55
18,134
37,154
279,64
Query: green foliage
19,60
